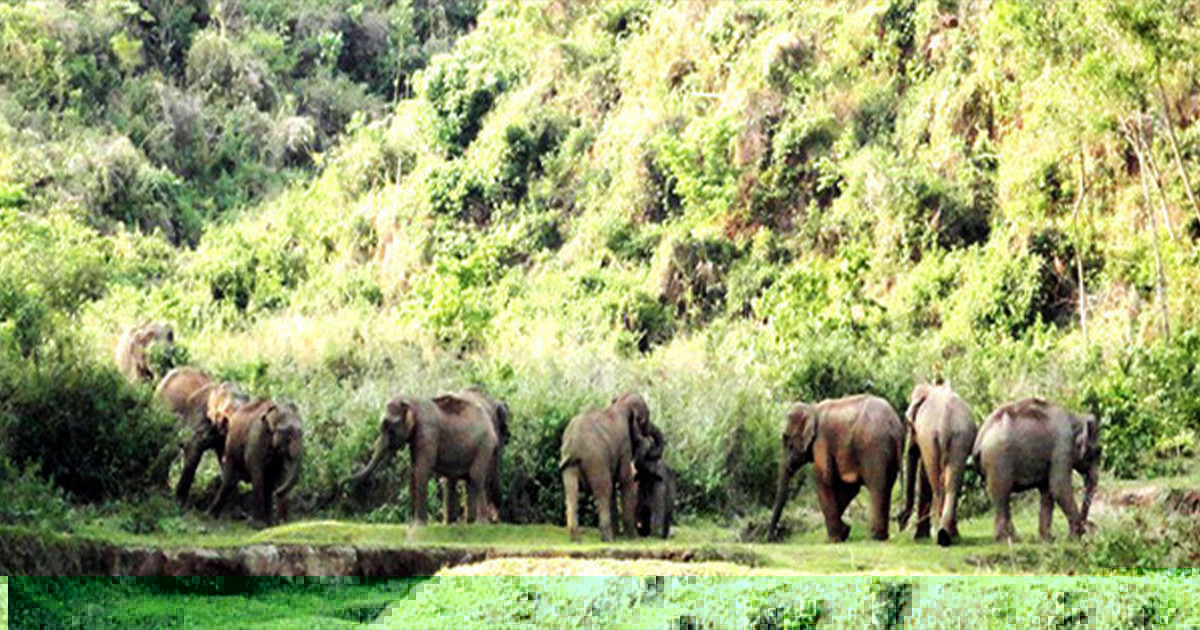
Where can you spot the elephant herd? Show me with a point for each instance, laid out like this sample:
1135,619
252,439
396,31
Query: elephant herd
618,453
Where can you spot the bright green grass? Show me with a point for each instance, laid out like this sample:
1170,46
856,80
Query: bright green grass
843,602
147,603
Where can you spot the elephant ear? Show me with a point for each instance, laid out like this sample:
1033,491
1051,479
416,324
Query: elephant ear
920,393
1086,432
802,422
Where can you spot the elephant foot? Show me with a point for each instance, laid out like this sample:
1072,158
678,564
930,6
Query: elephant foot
879,535
576,536
943,537
840,534
922,531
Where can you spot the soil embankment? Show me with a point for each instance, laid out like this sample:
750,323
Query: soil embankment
33,554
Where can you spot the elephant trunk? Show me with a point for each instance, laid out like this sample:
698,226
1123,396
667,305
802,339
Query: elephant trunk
380,455
292,469
786,470
1091,480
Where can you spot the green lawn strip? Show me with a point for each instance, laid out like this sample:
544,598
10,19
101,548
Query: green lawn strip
838,602
148,603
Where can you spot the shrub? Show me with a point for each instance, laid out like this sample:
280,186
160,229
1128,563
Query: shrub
84,427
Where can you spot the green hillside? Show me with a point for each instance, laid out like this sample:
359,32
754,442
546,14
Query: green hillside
727,206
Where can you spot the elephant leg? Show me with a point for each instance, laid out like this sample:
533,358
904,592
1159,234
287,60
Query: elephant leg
418,491
881,506
602,489
258,486
948,532
192,453
1046,515
476,501
658,509
449,500
831,508
629,500
1060,487
570,477
924,501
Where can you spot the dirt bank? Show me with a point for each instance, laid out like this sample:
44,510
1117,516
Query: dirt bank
33,554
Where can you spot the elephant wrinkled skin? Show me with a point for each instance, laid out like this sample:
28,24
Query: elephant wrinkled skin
656,486
264,445
598,447
449,436
1030,444
186,393
942,431
852,442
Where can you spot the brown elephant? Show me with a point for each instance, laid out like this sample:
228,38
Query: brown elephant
449,436
133,350
852,442
656,485
264,444
186,393
598,446
942,430
497,410
1030,444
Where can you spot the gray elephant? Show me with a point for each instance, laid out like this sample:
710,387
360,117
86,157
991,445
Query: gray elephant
133,350
449,436
1031,444
656,485
598,447
186,393
852,442
942,431
264,445
497,410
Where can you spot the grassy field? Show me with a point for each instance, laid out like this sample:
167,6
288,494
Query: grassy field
1123,539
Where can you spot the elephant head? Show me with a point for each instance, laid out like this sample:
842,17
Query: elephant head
287,443
223,402
133,350
799,435
632,408
395,430
1086,430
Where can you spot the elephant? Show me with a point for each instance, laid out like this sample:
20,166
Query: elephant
656,485
186,393
132,349
497,410
942,427
264,444
1033,443
852,442
449,436
599,446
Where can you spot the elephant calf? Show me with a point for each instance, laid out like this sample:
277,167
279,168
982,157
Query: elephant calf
943,433
598,447
852,442
1030,444
264,445
656,486
451,436
186,392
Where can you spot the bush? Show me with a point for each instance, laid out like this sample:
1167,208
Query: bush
84,427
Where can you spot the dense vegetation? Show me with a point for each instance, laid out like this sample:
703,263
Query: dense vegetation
726,206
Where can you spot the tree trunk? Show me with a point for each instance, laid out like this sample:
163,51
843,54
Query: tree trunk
1079,201
1187,181
1160,288
1158,184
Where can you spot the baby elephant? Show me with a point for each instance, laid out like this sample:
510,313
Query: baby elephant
1035,444
264,445
656,486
